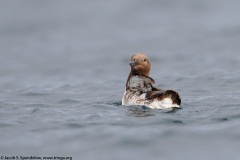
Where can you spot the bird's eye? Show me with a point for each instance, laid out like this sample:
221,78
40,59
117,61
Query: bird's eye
144,59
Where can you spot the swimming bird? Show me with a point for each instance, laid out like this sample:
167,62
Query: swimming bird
140,89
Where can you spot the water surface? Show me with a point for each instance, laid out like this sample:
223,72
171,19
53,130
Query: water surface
63,68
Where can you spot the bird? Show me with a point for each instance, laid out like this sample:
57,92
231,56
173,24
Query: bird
140,89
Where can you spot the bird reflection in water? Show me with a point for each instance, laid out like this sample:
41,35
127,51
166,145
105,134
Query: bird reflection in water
143,111
140,111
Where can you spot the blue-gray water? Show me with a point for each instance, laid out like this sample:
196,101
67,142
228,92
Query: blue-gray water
63,67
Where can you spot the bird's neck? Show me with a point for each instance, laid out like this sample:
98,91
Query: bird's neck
134,73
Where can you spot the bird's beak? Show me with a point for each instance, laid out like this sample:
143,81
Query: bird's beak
132,64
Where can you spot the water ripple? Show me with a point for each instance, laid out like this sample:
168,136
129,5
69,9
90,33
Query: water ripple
68,101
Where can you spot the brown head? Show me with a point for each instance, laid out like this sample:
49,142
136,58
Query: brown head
140,64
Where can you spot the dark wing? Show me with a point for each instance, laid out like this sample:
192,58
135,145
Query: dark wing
154,94
150,81
164,94
156,89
